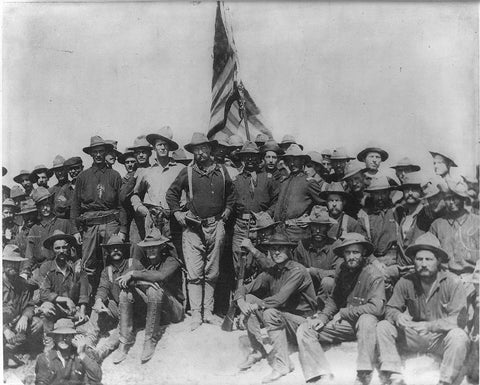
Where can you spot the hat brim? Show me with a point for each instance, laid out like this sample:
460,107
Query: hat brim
88,149
265,227
48,243
445,156
439,253
368,247
145,243
189,146
53,169
306,157
17,178
29,211
123,157
412,167
50,195
14,259
362,154
324,194
15,207
246,152
63,331
107,245
286,145
34,174
133,148
151,138
279,243
352,173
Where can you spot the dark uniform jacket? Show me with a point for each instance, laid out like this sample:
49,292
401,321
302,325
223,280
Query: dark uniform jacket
444,309
356,293
17,297
49,370
288,288
321,263
263,197
298,194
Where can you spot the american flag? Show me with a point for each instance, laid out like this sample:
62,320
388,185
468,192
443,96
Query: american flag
230,99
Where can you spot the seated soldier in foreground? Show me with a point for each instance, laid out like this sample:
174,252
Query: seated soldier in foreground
426,314
289,297
316,254
105,312
351,313
64,291
159,284
67,363
19,322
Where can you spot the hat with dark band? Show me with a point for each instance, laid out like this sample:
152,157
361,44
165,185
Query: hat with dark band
199,138
38,170
18,178
58,163
96,141
56,236
279,239
353,239
140,143
165,134
154,238
64,326
73,161
429,242
372,147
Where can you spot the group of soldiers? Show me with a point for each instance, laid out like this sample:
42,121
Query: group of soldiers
312,248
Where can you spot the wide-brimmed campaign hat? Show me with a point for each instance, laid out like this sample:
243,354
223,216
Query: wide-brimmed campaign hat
271,145
11,253
58,163
413,179
17,192
249,148
326,153
381,183
9,202
315,157
340,153
17,178
180,156
115,240
73,161
261,139
38,169
445,154
166,134
334,188
352,168
430,242
458,187
64,326
263,221
139,143
288,140
406,163
430,189
353,239
319,215
125,155
199,138
279,239
27,207
114,144
40,194
295,151
153,238
372,147
96,141
59,235
235,141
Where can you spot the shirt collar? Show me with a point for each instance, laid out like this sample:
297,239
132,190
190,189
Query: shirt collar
96,168
214,169
170,163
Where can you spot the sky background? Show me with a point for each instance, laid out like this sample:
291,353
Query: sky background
331,74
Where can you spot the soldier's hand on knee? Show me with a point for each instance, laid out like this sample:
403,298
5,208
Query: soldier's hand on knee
337,318
47,308
404,320
315,324
36,324
180,217
22,324
8,335
124,279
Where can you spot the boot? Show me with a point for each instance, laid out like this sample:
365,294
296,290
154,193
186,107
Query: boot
195,297
152,330
121,353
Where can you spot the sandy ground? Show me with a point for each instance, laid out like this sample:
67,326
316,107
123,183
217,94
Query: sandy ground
210,356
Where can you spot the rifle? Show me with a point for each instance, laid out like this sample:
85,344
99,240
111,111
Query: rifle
227,324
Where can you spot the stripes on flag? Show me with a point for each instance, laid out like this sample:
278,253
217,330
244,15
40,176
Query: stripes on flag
225,114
